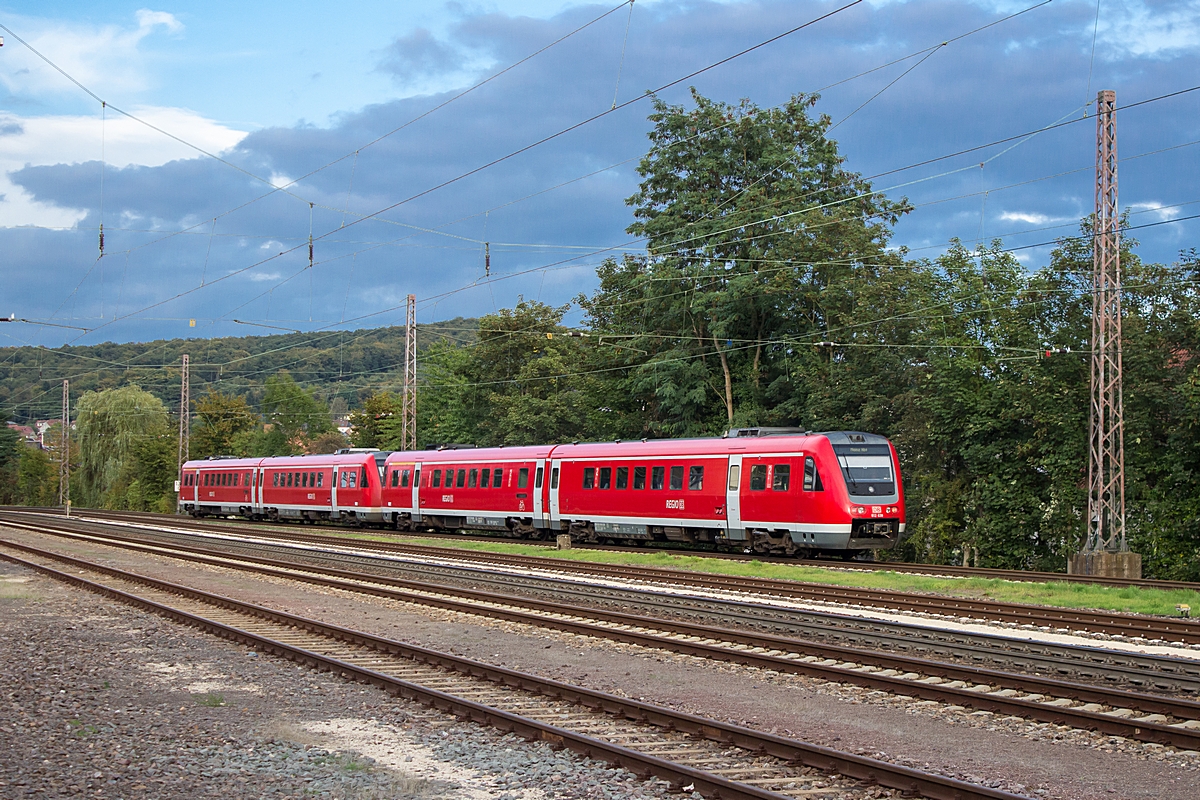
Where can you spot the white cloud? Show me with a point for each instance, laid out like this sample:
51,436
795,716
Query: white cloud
105,59
1028,217
261,277
1150,29
1156,210
40,141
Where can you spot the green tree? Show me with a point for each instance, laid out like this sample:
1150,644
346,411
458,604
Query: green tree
223,424
109,426
295,415
527,380
37,479
370,423
751,224
10,458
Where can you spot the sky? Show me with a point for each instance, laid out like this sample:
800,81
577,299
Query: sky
211,140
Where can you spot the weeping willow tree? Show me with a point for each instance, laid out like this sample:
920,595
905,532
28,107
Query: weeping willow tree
116,429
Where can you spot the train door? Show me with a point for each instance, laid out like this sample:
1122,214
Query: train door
416,493
733,500
260,493
555,470
539,477
334,513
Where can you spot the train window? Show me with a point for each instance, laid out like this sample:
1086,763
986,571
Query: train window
782,480
523,478
758,477
342,479
605,477
304,480
435,478
589,477
735,475
622,477
656,477
364,483
695,478
275,479
320,479
404,475
812,476
249,475
352,479
462,478
224,478
472,479
497,477
676,477
395,477
537,479
312,480
554,478
639,477
204,482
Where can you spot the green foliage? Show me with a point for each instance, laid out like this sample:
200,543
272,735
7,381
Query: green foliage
295,415
37,479
348,364
10,458
112,428
372,422
222,424
525,381
756,235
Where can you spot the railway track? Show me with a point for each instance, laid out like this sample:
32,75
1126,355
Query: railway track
1135,715
715,758
946,570
1134,626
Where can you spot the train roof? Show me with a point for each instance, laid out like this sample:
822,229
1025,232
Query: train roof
466,455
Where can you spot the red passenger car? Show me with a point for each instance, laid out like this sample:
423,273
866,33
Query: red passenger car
757,490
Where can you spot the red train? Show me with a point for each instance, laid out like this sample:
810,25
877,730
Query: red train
758,490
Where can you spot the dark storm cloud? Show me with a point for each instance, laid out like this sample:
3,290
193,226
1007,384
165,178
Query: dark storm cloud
419,55
1016,77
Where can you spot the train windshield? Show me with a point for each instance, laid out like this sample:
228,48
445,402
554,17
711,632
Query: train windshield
869,476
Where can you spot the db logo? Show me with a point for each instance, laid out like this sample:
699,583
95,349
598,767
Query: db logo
521,506
676,504
876,509
447,498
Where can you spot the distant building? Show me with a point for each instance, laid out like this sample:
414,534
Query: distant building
27,434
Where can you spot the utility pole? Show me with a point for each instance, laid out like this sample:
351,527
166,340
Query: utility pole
185,421
409,427
1106,551
64,451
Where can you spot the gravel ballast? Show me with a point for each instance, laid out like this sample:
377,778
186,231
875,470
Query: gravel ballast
103,700
1017,755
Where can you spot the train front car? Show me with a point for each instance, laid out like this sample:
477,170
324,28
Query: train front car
870,475
218,486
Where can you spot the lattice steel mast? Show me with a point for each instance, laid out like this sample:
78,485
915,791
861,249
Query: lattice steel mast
64,449
1106,420
185,416
409,428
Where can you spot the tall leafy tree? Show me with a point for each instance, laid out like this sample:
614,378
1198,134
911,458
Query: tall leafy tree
370,424
10,459
751,224
295,414
109,426
223,425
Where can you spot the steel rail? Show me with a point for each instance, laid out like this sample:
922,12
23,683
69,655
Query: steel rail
935,570
793,751
1111,623
1144,671
996,700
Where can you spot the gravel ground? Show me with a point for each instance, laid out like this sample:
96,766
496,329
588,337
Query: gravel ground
1031,758
101,700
